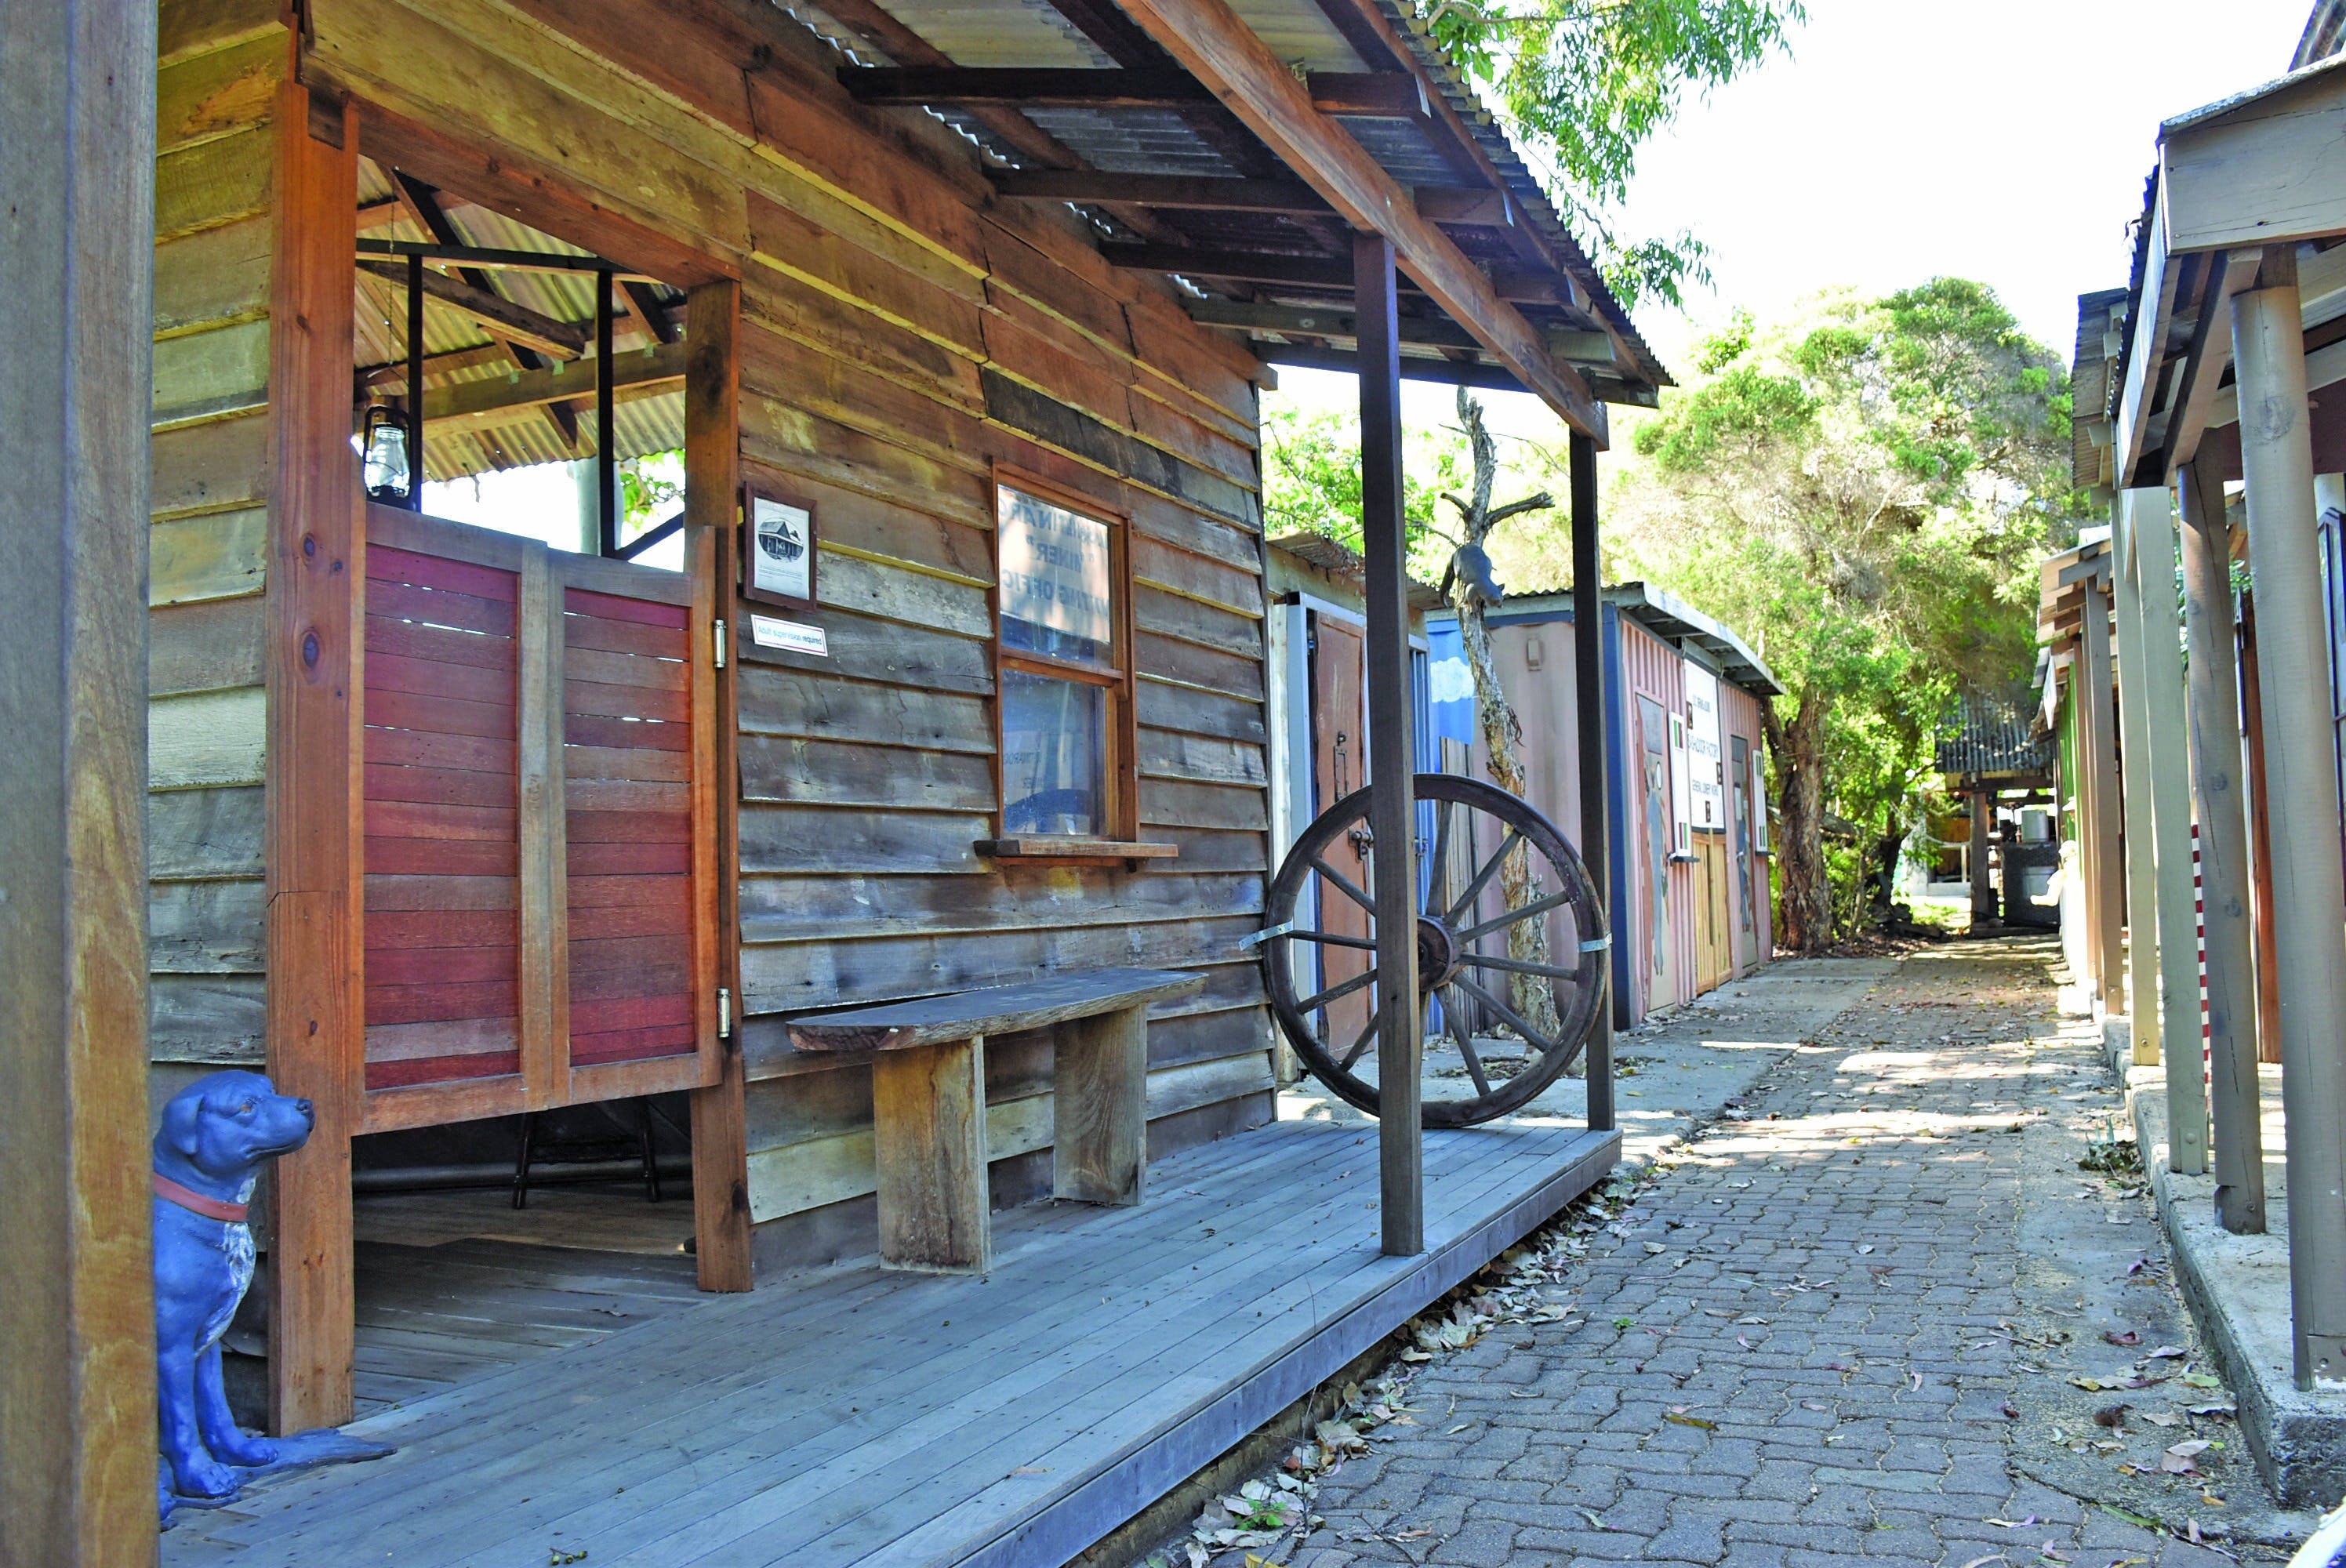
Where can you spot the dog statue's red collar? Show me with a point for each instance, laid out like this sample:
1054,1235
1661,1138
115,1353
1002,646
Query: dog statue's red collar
194,1202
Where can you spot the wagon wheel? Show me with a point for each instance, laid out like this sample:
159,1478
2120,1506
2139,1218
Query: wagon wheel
1319,951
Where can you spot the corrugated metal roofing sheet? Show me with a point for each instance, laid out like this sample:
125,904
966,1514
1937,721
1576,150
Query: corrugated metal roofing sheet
1988,737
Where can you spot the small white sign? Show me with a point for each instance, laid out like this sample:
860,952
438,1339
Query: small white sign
783,563
769,633
1705,772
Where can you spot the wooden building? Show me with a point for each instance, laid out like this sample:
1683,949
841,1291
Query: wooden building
1688,807
953,676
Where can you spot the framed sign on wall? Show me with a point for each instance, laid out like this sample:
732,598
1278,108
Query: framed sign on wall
777,549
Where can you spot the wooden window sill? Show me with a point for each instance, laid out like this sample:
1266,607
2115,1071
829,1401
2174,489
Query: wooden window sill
1056,850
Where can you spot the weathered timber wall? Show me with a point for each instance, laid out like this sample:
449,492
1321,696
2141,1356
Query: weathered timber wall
901,337
1738,715
221,61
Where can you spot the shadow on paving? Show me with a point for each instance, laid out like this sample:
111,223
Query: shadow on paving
1839,1326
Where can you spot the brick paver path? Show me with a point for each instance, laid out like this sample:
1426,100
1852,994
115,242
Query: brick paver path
1821,1286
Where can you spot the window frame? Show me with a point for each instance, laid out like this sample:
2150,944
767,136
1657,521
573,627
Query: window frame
1120,773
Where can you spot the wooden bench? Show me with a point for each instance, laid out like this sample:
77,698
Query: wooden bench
928,1100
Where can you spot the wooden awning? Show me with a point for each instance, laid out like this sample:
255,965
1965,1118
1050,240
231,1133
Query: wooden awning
1236,147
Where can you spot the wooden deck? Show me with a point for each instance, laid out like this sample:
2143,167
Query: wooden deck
856,1417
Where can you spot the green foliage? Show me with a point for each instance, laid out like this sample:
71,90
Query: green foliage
1863,492
1311,482
651,488
1587,82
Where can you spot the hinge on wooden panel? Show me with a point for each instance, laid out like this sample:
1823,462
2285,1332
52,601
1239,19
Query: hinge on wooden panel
724,1011
720,644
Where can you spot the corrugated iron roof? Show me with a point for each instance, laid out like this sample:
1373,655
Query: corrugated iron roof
1986,737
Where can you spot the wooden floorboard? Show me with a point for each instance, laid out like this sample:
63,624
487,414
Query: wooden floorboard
854,1415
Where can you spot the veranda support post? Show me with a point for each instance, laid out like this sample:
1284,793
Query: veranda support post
1588,676
2309,888
1392,812
76,1384
1983,808
2151,533
2134,757
2098,786
2223,851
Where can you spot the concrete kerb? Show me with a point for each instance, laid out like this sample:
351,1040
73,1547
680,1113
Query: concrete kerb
2237,1289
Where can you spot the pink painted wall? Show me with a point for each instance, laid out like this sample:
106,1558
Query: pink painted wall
1662,967
1755,942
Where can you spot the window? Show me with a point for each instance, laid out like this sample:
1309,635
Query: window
1063,668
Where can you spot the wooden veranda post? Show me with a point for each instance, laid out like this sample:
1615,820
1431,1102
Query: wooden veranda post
76,1390
2309,888
2098,783
2134,757
316,1007
1392,809
2151,534
1588,679
2223,851
712,384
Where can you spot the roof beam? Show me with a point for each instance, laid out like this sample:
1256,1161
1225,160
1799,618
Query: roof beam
471,404
494,312
1369,95
1323,272
1309,322
1021,88
1195,193
1210,40
1448,373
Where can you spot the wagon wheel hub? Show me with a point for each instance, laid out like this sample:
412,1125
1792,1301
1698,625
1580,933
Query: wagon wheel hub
1437,954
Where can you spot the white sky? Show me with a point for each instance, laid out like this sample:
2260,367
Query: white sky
2004,140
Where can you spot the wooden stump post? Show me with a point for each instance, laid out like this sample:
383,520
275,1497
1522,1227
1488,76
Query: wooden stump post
77,1387
1099,1119
928,1138
1596,759
2141,862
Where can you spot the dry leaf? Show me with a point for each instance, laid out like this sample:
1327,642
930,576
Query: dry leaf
1687,1420
2161,1419
2165,1353
2128,1338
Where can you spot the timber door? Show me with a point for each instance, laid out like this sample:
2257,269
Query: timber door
1340,751
540,923
1714,953
1740,825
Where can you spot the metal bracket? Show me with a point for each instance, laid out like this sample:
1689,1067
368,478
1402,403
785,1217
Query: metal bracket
1259,938
1599,945
720,641
724,1011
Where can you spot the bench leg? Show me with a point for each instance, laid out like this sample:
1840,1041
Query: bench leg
928,1122
1100,1123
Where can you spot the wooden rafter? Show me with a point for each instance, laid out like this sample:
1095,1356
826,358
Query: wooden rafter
423,201
1217,47
518,324
1020,88
1179,191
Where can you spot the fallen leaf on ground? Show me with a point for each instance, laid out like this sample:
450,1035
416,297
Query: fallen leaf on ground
1687,1420
2165,1353
2161,1419
2128,1338
2202,1380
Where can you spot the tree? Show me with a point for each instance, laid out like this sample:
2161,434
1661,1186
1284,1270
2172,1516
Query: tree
1468,587
1587,83
1863,490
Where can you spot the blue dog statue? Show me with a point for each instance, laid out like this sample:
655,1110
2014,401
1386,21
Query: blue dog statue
216,1135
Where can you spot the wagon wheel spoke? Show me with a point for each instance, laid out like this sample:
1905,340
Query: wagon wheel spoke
1342,988
1465,1040
1337,877
1360,1042
1331,940
1512,917
1508,1014
1436,867
1483,878
1518,965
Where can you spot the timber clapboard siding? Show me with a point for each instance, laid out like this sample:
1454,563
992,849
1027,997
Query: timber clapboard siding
899,337
216,91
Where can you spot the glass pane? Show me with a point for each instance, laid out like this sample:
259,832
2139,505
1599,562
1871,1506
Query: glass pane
1055,581
1053,756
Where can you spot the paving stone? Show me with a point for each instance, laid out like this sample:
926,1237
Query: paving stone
1901,1349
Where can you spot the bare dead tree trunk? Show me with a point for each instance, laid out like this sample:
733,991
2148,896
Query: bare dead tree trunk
1799,747
1533,995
